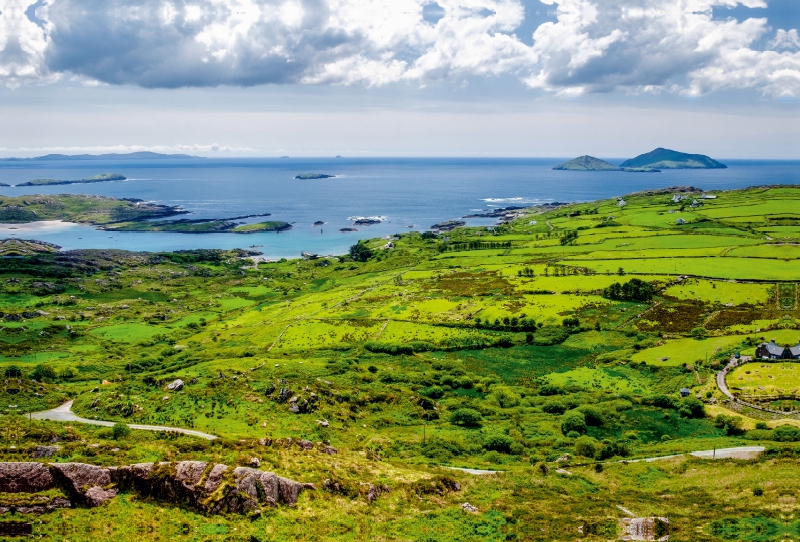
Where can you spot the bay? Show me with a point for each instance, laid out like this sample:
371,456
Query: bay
407,193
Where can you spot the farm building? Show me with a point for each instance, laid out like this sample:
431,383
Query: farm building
773,350
685,392
680,221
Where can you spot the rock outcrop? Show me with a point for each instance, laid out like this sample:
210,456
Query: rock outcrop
210,488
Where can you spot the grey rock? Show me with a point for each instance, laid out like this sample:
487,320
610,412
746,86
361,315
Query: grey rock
175,385
25,477
45,451
96,495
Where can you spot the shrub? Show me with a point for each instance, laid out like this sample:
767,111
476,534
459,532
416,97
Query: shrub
761,425
731,424
573,421
570,322
586,446
691,407
468,417
554,407
434,392
786,433
757,492
699,333
550,389
505,397
498,443
592,415
120,430
43,373
465,382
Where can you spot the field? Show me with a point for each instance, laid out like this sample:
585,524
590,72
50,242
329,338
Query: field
500,348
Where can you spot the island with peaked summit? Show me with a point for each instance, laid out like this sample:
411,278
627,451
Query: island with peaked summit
651,162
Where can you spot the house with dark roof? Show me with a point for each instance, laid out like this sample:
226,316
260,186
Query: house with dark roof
773,350
794,351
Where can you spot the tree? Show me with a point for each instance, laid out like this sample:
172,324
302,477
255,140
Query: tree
360,252
633,290
43,373
120,430
499,443
699,333
731,424
586,446
468,417
573,421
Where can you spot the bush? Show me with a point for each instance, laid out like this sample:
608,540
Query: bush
699,333
633,290
586,446
731,424
464,382
434,392
757,492
43,373
592,415
573,421
120,430
505,397
498,443
550,389
468,417
691,407
554,407
761,425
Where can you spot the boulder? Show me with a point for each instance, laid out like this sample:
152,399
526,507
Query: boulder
25,478
215,478
255,462
306,444
330,450
45,451
77,478
467,507
175,385
96,495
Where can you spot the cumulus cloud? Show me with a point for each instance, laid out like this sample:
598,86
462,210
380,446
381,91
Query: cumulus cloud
593,46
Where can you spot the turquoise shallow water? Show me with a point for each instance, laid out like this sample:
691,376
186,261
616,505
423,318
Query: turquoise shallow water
406,192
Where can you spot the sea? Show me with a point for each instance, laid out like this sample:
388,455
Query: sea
405,194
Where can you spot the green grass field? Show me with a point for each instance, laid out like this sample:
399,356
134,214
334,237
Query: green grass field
426,356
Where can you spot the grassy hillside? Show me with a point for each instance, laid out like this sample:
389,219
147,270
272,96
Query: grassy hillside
566,331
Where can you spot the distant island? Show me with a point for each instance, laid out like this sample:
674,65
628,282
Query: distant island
668,159
213,225
651,162
142,155
105,177
590,163
307,176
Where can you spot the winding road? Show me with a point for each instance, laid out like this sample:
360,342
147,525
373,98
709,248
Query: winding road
64,413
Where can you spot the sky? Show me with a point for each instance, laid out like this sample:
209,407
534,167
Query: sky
555,78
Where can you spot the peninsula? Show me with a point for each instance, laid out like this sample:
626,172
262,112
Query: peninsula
80,208
105,177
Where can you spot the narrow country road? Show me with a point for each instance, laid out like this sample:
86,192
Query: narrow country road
739,452
64,413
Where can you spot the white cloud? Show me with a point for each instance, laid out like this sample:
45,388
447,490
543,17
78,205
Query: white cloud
594,46
785,40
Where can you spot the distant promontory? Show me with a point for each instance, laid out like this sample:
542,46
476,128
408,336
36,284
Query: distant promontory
651,162
105,177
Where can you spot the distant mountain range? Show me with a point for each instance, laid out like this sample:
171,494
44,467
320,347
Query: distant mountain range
142,155
650,162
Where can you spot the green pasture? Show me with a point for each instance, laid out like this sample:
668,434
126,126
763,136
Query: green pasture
129,333
723,267
762,378
723,292
688,351
600,379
